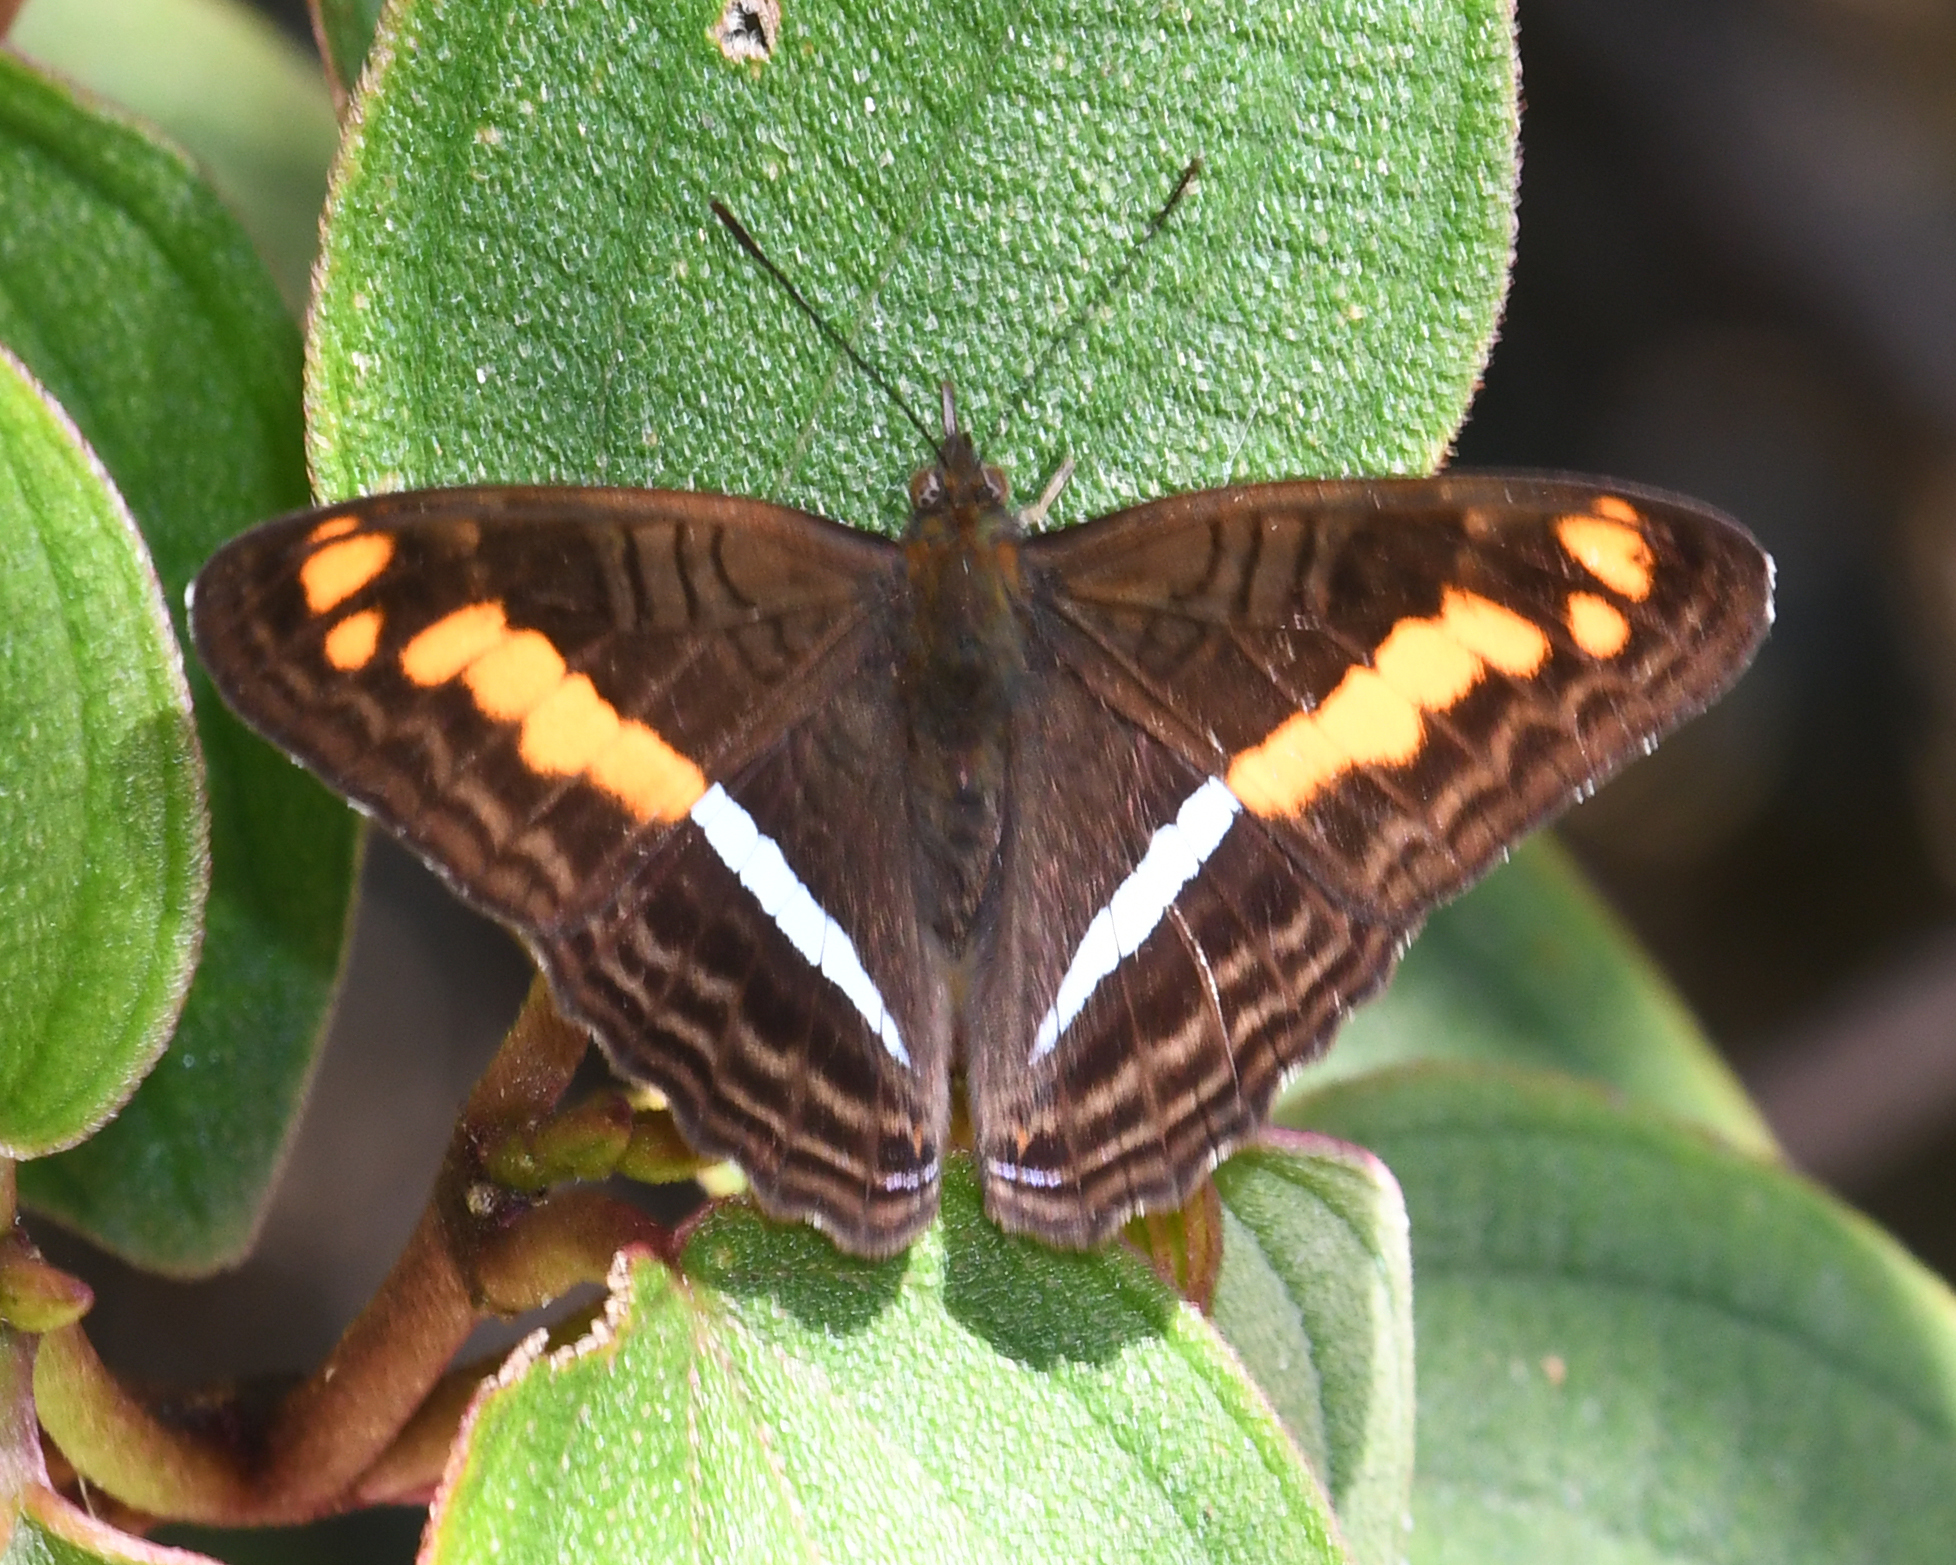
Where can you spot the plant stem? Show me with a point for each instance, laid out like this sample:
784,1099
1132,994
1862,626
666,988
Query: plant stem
362,1427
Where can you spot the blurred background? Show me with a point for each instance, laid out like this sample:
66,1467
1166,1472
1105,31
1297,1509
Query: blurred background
1736,277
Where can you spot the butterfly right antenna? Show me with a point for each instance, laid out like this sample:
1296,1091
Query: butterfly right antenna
1109,284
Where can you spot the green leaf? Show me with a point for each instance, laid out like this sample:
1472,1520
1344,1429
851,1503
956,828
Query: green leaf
222,80
346,30
1531,969
1316,1297
521,279
103,841
1638,1345
980,1399
132,295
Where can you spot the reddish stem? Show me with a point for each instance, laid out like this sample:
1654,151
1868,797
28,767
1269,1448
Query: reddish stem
359,1429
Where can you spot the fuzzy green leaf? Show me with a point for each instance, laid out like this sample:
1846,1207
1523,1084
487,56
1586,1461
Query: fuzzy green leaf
132,295
1316,1297
979,1399
1639,1345
522,280
219,78
103,841
1531,969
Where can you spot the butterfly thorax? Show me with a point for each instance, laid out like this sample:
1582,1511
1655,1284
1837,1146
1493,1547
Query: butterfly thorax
963,659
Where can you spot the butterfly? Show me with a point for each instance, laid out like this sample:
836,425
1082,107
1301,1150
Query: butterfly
1110,824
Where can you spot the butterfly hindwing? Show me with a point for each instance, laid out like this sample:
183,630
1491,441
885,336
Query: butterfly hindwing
820,1064
1401,678
1126,1054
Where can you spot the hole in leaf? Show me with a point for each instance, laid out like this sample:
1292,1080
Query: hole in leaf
747,29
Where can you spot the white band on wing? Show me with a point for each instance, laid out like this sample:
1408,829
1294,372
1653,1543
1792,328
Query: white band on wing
1140,902
759,865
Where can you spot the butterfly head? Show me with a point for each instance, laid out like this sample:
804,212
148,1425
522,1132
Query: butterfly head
958,494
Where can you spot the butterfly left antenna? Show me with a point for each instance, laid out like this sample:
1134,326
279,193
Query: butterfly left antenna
752,247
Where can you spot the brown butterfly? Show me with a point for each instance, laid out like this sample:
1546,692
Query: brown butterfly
1113,824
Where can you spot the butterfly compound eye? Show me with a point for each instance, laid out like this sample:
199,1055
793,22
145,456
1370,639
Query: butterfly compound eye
926,488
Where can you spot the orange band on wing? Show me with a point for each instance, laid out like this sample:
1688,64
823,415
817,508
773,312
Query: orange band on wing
646,775
1375,715
512,678
568,728
437,654
1497,636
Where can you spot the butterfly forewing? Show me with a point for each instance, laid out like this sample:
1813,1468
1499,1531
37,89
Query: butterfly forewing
355,638
1400,678
1314,711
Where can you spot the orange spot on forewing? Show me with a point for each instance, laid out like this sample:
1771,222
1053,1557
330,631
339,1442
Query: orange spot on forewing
1369,722
1598,625
333,574
645,774
1615,508
1363,722
1613,552
453,642
1496,635
1426,665
350,644
512,678
568,729
332,527
1280,774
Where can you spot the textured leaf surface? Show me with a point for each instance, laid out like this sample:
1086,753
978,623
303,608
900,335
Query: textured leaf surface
1316,1297
981,1399
134,298
1638,1345
522,279
1531,969
103,862
224,82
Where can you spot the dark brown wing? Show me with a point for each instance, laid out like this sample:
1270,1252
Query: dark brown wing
1277,725
548,694
1092,1101
1401,678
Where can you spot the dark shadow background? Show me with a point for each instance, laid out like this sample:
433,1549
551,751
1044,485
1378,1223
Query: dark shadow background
1736,276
